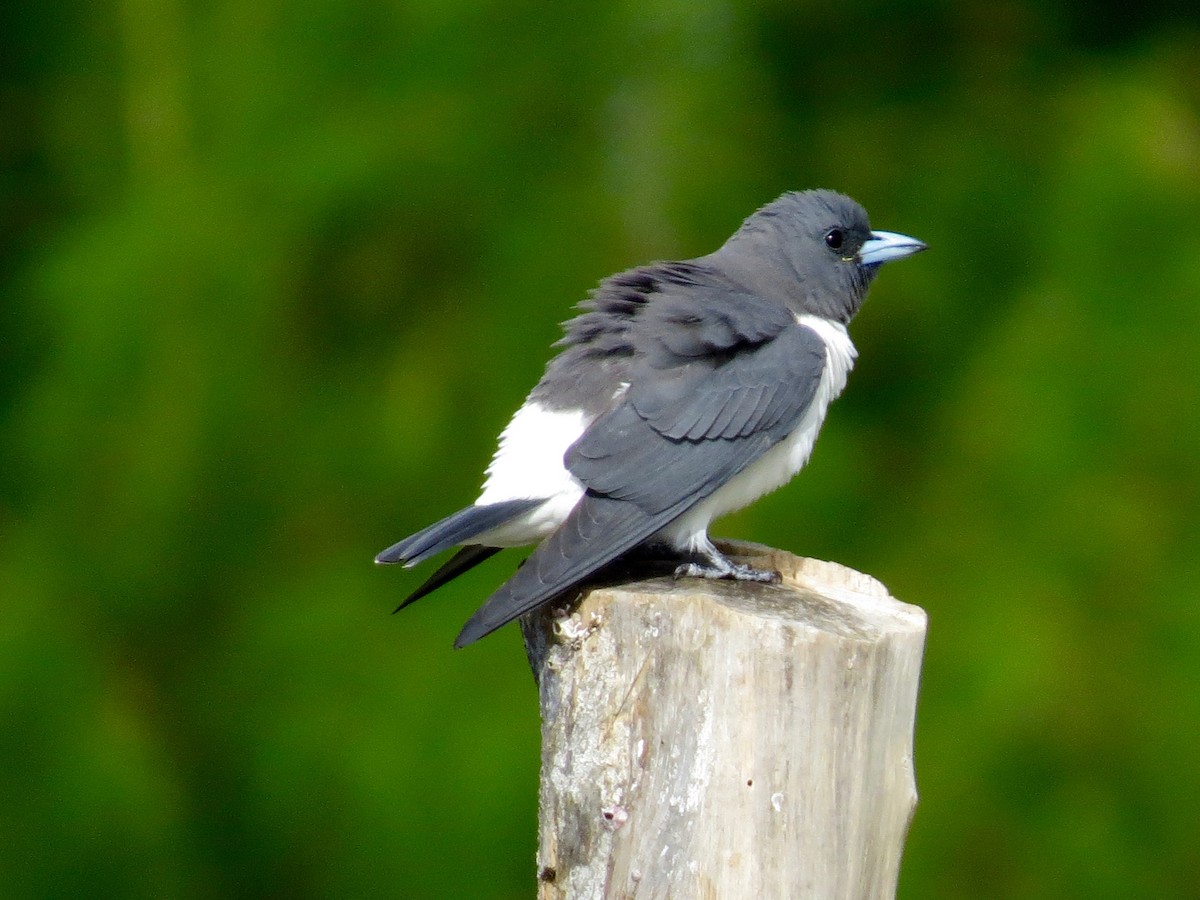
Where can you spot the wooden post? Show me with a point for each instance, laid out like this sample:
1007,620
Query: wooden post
725,740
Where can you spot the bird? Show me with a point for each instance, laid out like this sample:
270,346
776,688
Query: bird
681,391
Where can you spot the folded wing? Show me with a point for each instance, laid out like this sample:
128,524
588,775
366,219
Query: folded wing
720,378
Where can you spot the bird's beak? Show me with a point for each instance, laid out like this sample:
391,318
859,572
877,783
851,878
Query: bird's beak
884,246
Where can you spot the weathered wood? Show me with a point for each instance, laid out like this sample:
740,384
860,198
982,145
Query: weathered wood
723,740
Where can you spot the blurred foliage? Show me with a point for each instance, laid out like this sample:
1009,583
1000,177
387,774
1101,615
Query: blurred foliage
273,276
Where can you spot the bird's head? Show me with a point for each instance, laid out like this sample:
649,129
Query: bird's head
814,250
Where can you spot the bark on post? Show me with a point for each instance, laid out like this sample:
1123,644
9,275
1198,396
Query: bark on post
723,740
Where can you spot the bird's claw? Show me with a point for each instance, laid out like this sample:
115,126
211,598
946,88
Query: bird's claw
726,570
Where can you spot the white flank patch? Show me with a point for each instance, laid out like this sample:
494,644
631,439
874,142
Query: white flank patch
778,465
529,463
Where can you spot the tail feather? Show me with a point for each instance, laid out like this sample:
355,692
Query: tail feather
598,531
464,560
459,528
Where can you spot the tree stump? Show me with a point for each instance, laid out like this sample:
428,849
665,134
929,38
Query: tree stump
715,739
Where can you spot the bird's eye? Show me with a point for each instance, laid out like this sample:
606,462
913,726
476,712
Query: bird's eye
834,238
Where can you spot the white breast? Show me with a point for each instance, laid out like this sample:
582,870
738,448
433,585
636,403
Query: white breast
778,465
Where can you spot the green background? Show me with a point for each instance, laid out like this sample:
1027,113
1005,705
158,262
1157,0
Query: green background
274,275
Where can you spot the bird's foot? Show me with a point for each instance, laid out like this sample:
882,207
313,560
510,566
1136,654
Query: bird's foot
718,566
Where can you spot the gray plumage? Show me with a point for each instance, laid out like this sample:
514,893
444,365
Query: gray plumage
698,386
453,530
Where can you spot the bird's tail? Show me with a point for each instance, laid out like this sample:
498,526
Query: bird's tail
597,532
459,528
463,561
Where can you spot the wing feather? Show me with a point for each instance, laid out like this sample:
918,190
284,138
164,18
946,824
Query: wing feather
679,433
655,452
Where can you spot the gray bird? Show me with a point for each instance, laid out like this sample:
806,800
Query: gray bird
684,391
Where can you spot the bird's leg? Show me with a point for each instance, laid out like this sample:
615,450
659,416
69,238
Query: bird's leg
709,562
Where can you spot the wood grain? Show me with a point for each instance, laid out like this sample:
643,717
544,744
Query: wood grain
719,739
